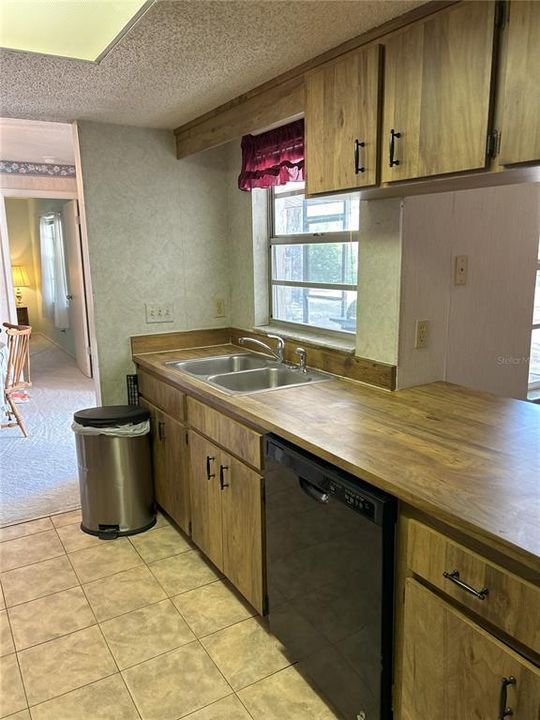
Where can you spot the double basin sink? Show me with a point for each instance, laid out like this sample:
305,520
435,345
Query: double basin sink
245,373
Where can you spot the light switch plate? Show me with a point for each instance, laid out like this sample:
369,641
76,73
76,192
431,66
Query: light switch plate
159,312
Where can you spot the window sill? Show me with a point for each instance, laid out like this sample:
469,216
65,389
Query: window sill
307,336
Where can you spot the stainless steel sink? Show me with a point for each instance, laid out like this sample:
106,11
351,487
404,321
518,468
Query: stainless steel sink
221,364
269,378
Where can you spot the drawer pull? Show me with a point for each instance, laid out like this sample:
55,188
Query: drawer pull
222,482
454,577
358,168
161,430
392,148
504,710
209,473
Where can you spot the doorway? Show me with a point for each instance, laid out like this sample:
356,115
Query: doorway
39,473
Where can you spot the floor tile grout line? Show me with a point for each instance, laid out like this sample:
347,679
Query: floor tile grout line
243,703
51,557
42,597
56,697
135,609
64,634
18,662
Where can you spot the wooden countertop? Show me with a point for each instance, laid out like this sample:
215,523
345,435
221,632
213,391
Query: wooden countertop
467,458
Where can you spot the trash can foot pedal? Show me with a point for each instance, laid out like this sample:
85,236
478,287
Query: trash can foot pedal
108,532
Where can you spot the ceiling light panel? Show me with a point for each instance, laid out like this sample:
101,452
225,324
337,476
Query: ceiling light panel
80,29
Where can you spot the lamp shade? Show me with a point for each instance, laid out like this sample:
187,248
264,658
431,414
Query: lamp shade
20,276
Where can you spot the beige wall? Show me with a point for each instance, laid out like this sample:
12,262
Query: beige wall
21,251
157,233
479,333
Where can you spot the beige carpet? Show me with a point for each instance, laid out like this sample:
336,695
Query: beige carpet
38,474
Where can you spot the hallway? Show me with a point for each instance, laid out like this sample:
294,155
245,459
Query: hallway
38,474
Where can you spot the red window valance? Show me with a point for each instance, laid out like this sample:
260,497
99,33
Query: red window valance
273,158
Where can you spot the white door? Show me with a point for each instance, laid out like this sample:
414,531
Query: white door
77,306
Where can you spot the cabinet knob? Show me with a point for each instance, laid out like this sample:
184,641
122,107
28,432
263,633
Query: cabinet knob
392,147
222,482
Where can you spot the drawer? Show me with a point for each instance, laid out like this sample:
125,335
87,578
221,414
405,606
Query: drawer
164,396
511,604
238,439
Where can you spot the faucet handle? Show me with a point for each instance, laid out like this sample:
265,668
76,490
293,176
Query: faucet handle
280,344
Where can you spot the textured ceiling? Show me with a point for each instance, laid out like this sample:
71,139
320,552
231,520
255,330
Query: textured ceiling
184,58
27,141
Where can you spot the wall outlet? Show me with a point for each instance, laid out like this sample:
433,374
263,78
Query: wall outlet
159,312
421,335
219,307
461,264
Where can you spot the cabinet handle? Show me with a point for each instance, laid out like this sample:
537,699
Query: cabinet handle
357,167
454,577
222,482
161,430
209,473
392,147
504,710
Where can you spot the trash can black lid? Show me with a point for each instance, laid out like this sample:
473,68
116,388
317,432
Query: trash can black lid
111,416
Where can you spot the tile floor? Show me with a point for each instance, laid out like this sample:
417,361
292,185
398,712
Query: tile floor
135,628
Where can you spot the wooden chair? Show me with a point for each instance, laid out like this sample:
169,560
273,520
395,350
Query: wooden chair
17,371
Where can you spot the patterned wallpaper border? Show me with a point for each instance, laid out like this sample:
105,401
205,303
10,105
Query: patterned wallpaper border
13,167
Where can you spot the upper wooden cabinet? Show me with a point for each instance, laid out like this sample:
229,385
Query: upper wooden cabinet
454,669
437,92
341,119
520,129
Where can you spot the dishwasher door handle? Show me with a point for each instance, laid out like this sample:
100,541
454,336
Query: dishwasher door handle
313,491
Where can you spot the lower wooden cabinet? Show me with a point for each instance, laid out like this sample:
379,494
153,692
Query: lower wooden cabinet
454,669
170,454
226,516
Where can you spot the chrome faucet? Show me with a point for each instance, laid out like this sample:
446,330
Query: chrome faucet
301,359
278,354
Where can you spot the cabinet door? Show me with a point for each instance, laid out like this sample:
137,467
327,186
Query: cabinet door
172,492
437,89
169,455
206,523
342,106
242,529
520,132
453,669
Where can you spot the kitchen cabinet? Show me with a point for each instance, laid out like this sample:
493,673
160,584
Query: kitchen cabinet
226,501
206,522
454,669
169,455
341,122
437,94
520,129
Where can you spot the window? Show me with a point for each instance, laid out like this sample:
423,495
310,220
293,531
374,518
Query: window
534,362
314,258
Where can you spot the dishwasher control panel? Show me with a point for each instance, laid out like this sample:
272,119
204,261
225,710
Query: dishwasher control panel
353,498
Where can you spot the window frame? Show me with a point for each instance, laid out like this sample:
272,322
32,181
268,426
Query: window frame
338,236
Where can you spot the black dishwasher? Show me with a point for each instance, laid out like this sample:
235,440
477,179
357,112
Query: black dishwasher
330,579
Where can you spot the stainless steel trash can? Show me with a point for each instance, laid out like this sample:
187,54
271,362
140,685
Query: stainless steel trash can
115,471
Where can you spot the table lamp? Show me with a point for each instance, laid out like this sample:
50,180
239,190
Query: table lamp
20,280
